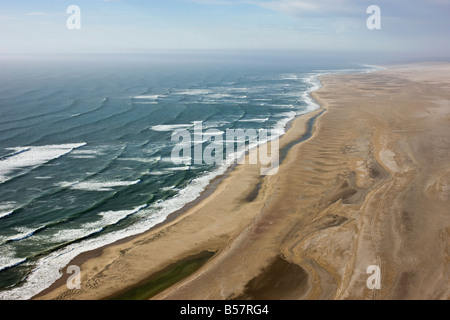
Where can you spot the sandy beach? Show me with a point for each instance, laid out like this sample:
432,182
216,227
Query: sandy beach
370,187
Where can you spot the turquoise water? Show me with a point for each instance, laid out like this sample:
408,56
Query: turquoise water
85,145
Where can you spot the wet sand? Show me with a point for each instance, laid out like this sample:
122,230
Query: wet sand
371,186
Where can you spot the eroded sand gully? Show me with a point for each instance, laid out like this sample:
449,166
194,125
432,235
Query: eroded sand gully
371,187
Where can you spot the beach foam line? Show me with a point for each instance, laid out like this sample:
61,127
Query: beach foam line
16,151
288,76
47,269
280,127
5,214
214,124
113,217
157,173
210,133
280,106
7,258
12,263
178,168
170,127
169,188
7,208
314,84
32,157
261,120
23,233
100,186
107,218
149,97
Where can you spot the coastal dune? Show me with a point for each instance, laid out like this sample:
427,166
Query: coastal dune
371,187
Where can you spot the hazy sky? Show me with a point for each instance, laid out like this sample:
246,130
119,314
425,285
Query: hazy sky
128,26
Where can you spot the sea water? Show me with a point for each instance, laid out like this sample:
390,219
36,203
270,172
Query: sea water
85,145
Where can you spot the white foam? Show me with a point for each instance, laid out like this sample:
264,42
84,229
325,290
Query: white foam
32,157
179,168
157,173
283,106
23,233
150,97
143,160
170,127
8,258
220,95
169,188
15,151
289,76
97,185
166,159
7,209
147,102
261,120
214,124
237,90
5,214
210,133
371,68
7,206
87,152
314,84
288,114
108,218
193,92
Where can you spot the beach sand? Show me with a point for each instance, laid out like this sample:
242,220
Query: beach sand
370,187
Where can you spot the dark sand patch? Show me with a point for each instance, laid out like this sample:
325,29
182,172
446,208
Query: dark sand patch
281,280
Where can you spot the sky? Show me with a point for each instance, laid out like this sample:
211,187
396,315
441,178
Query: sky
414,27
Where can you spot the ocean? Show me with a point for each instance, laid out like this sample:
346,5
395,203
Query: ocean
85,144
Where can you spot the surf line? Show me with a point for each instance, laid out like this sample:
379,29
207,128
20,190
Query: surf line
243,140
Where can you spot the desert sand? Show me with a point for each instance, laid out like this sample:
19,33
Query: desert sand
370,187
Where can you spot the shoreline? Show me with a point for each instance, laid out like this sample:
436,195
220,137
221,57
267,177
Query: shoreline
90,254
83,257
370,187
